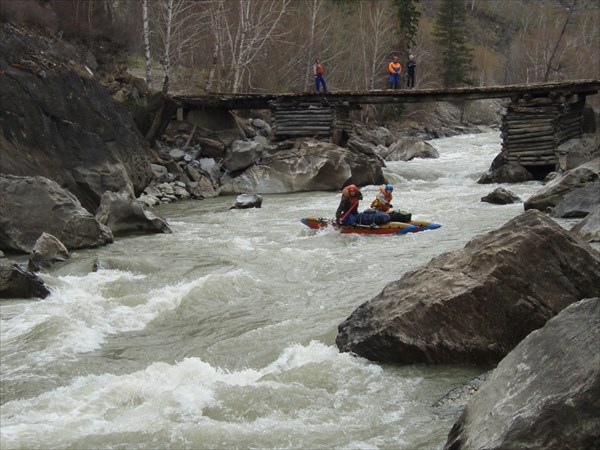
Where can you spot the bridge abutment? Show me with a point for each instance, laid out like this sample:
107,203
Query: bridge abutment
314,119
534,127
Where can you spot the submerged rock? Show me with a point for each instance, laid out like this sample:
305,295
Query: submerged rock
501,196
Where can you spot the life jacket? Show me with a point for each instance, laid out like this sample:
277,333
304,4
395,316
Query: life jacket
319,70
395,67
382,200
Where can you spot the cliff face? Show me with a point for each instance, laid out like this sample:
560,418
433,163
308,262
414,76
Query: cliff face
57,121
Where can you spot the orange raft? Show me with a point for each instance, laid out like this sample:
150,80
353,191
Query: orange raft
414,226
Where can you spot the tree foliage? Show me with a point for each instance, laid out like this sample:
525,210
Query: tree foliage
408,16
270,45
450,33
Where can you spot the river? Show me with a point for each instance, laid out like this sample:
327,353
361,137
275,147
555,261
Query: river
222,334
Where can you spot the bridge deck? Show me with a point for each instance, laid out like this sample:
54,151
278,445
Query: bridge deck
263,101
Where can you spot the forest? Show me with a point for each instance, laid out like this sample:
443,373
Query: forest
270,45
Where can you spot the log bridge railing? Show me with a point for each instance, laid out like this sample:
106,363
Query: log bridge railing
538,118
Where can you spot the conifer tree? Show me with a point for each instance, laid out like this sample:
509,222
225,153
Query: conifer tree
408,16
449,32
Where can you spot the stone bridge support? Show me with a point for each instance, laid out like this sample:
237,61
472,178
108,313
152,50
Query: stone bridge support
533,128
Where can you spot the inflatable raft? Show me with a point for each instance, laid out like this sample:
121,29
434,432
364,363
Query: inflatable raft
414,226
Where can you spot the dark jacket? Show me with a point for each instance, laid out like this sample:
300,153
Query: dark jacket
345,205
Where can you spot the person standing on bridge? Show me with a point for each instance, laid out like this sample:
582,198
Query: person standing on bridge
411,65
318,72
395,69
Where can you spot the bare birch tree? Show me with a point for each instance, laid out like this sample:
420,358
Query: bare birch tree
146,39
257,23
217,12
377,38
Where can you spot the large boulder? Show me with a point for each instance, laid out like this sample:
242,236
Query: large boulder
589,227
576,152
408,148
310,165
579,202
60,123
242,155
34,205
543,394
506,173
124,214
558,187
476,304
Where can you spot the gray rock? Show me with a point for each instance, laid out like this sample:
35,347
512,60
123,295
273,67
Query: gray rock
77,135
409,148
211,148
501,196
579,202
358,145
545,394
46,251
242,155
506,173
124,215
576,152
57,212
177,154
589,228
476,304
245,201
160,172
555,190
203,188
310,165
262,140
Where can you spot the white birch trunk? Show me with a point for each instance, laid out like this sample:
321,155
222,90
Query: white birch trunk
146,31
167,56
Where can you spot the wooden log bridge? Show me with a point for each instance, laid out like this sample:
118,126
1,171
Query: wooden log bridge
538,118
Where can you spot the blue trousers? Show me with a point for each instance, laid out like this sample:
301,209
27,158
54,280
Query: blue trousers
320,81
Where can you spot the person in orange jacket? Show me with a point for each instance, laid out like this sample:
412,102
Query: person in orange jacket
383,200
395,69
318,72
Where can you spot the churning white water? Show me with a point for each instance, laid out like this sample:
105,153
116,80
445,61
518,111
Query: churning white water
222,334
